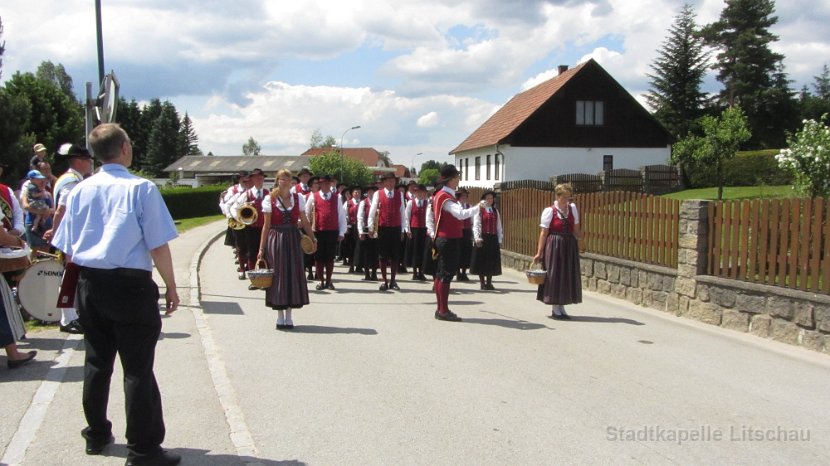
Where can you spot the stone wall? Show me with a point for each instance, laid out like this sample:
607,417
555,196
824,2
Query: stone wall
790,316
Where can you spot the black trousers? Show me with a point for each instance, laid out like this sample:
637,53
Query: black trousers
252,238
120,314
449,251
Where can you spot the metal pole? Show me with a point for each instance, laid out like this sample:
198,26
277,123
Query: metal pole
341,150
100,43
89,115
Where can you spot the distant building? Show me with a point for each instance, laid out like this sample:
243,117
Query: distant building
368,156
200,170
581,121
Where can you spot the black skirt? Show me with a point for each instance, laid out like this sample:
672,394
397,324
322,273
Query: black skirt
465,249
283,254
415,247
563,281
486,260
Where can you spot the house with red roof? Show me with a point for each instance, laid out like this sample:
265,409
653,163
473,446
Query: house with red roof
368,156
581,121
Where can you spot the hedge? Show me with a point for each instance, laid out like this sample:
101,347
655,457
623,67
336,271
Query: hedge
186,202
750,168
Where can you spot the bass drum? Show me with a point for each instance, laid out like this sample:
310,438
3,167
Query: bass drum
38,290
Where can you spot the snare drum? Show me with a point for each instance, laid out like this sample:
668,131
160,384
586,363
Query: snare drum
38,290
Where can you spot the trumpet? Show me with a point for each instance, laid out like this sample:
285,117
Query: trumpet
247,214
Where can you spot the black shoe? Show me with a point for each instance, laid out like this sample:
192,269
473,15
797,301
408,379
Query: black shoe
414,277
449,316
402,269
375,276
367,278
20,362
161,459
320,286
351,269
394,286
242,275
489,286
556,317
483,286
252,287
330,286
95,446
310,276
463,278
383,286
422,277
72,327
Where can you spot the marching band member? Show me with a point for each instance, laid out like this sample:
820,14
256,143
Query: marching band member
240,240
313,186
368,245
329,227
416,210
253,196
467,244
449,223
404,240
488,235
302,186
279,246
352,234
389,206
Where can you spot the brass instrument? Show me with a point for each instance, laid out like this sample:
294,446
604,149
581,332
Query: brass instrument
247,214
235,224
375,225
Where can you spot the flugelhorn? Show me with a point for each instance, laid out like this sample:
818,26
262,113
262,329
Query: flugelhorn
247,214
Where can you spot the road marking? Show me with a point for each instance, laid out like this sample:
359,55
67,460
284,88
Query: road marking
241,437
33,418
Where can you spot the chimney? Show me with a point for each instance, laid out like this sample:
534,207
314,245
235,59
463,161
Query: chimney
563,68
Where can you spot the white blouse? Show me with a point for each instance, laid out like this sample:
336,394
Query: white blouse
547,215
266,206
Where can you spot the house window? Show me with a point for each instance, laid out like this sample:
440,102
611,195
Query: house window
488,167
607,162
497,170
590,112
478,168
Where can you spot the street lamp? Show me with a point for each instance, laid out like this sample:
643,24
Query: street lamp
341,149
412,162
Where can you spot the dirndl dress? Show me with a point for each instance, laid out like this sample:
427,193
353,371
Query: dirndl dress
563,278
283,254
486,260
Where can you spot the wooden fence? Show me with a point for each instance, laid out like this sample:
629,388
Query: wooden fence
782,242
620,224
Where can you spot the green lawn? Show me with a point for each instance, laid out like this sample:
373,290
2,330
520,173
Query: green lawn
188,223
735,192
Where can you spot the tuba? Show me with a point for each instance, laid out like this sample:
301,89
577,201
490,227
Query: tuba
247,214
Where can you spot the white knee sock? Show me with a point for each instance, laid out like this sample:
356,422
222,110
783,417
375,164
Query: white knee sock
288,316
68,314
280,317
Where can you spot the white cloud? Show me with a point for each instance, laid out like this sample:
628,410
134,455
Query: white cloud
429,120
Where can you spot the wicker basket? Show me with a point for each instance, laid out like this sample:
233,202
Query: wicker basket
261,277
535,277
306,244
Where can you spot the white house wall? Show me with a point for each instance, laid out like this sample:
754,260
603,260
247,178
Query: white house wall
533,163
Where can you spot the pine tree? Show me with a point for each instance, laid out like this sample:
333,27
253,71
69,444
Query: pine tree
752,74
163,142
188,139
675,94
251,147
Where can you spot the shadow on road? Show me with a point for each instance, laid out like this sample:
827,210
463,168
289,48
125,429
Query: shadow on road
605,320
321,330
507,323
226,308
205,458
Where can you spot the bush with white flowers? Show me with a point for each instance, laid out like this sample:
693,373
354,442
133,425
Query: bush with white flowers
808,158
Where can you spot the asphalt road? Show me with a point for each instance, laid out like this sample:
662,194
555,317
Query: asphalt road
369,377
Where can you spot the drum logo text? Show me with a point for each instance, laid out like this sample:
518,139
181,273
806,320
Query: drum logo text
49,273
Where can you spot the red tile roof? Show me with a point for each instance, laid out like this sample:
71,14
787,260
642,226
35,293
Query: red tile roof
366,155
515,112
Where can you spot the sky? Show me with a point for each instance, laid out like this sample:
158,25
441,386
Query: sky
417,76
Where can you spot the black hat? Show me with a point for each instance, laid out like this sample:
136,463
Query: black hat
370,187
411,182
387,176
70,151
305,171
326,178
244,173
352,188
449,172
486,193
421,187
257,171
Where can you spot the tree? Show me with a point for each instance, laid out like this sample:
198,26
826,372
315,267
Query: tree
318,141
162,144
2,48
752,74
428,176
188,138
722,137
384,157
15,145
251,147
808,158
675,94
348,171
813,106
56,74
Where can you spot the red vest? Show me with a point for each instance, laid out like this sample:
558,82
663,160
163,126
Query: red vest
468,222
279,217
260,219
558,225
298,188
352,212
447,225
367,203
489,222
390,209
325,212
419,215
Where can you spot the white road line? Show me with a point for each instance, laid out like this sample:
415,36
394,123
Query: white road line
240,435
31,421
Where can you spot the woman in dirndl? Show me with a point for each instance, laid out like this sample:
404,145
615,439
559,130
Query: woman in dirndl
488,236
11,322
558,251
279,246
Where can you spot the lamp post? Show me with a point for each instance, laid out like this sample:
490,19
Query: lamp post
412,162
341,149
